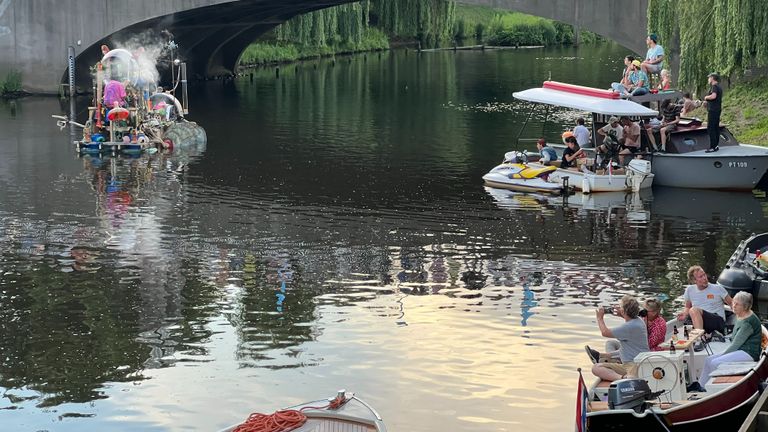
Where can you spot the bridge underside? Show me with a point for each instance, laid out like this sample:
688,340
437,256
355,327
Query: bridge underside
211,39
212,34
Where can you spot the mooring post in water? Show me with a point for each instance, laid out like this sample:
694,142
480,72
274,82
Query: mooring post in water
277,73
184,98
71,65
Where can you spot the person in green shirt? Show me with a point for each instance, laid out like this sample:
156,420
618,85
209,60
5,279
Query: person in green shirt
746,337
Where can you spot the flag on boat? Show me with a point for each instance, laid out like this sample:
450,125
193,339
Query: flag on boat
582,401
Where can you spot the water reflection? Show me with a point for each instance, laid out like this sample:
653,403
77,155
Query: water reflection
334,234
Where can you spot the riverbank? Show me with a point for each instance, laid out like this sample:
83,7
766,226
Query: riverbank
276,52
745,111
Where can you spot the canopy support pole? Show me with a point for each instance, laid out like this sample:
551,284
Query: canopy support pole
527,119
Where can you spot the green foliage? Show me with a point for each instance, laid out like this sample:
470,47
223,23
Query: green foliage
744,108
503,27
329,26
260,53
715,35
511,29
430,21
11,84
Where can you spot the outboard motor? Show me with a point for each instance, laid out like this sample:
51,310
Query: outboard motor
630,394
736,279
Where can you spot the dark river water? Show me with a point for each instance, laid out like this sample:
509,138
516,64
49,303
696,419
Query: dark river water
335,233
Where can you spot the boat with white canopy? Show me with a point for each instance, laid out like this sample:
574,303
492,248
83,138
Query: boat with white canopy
685,163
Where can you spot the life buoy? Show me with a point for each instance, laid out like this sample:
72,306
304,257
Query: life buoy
118,114
581,90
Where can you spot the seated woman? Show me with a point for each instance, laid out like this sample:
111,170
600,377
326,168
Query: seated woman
746,337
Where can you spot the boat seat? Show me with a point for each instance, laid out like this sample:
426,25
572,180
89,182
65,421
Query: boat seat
601,390
530,173
598,406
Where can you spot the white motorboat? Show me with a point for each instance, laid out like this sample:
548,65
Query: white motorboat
343,413
637,176
685,163
523,177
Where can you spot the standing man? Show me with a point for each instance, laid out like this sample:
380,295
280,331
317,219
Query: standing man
714,106
704,302
654,57
633,335
581,133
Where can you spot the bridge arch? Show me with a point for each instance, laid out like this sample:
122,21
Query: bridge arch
212,34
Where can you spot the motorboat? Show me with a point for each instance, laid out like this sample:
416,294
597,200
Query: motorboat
638,175
747,268
515,174
757,420
685,163
658,400
344,412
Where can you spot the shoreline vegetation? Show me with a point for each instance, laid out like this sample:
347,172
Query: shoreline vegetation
429,24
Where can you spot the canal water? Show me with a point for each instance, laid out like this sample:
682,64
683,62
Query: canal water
335,233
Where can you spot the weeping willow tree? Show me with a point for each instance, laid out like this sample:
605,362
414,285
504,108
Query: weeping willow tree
727,36
430,21
344,23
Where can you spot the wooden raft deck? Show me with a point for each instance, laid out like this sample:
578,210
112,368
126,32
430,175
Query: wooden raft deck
334,425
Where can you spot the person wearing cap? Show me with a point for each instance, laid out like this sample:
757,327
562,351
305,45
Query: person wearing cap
636,84
611,130
548,154
714,106
571,153
566,134
612,126
654,57
639,80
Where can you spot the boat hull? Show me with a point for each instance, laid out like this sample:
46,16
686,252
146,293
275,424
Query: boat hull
507,176
728,169
724,410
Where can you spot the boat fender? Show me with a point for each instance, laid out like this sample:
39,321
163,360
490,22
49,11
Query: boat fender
142,139
585,187
762,386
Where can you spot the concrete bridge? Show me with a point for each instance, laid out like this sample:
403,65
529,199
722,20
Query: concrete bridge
212,34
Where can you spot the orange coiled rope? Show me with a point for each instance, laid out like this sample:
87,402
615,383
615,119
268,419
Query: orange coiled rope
283,420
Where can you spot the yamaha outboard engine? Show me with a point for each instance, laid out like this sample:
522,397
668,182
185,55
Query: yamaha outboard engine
630,394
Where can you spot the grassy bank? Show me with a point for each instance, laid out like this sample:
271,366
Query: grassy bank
10,86
745,110
272,51
508,28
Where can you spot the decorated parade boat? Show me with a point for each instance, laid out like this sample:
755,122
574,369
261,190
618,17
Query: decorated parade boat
685,163
130,113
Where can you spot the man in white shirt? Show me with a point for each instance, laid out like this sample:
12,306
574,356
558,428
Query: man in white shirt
704,302
581,133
